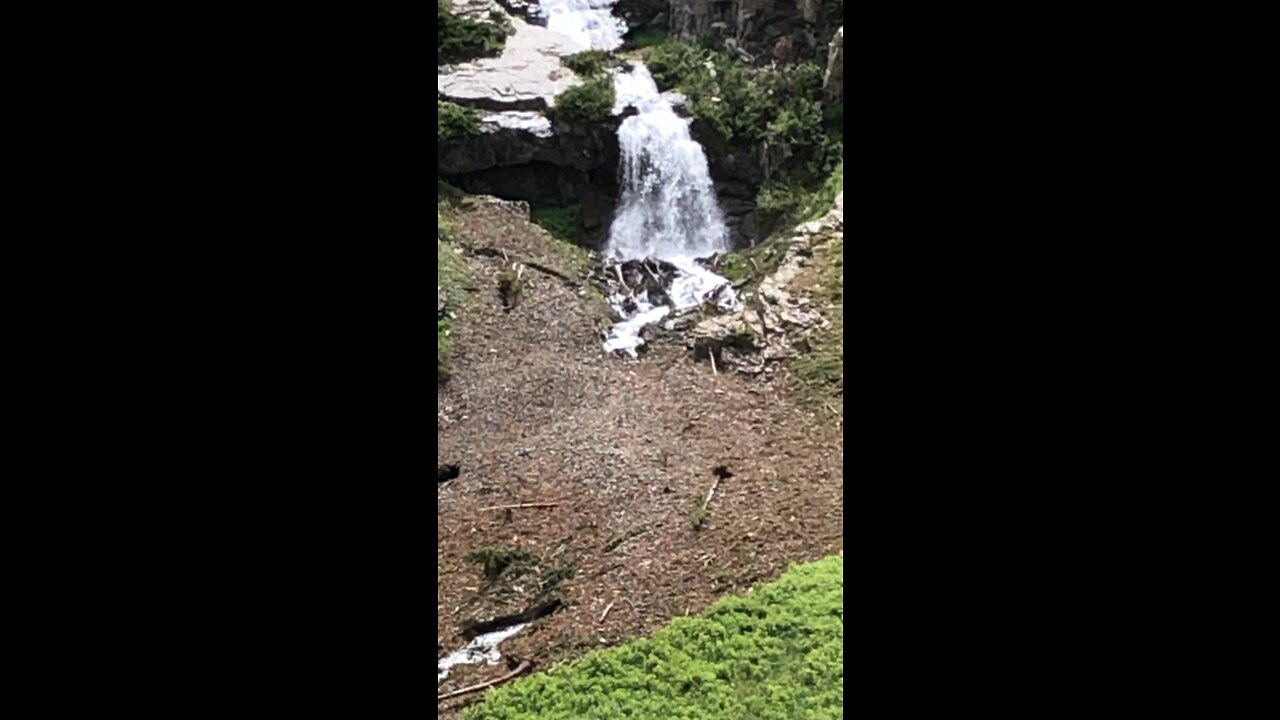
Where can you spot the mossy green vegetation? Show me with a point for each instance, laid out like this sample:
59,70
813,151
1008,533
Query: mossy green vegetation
774,654
563,223
754,263
587,64
451,276
454,122
459,39
781,204
590,102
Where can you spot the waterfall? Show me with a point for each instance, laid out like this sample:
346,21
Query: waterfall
668,209
590,23
668,206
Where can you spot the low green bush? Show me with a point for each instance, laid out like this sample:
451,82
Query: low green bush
588,64
454,122
459,39
775,654
590,102
782,204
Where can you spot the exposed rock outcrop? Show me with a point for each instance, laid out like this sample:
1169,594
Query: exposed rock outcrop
755,26
519,153
643,14
834,81
526,76
777,315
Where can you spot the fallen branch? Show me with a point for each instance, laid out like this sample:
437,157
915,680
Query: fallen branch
553,273
721,473
521,506
711,493
497,253
712,355
606,612
471,629
524,667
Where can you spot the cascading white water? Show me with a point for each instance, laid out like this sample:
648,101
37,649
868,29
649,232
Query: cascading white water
668,207
588,22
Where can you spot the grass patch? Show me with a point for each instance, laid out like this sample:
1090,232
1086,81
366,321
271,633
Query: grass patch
454,122
459,39
775,654
588,103
451,276
562,223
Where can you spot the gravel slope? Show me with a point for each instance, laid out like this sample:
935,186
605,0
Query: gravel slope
626,450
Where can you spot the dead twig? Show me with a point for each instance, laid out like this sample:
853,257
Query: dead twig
712,355
605,614
521,506
711,493
524,667
722,472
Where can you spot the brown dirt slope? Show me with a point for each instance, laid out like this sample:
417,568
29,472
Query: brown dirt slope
535,413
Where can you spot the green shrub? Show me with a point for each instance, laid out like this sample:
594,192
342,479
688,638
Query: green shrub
590,102
775,654
745,106
454,121
496,561
459,39
781,204
588,64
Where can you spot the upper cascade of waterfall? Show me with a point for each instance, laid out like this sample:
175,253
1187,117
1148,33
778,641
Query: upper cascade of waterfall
668,206
590,23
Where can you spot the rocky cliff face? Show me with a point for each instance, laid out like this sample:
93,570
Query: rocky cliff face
560,166
519,154
782,30
835,68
